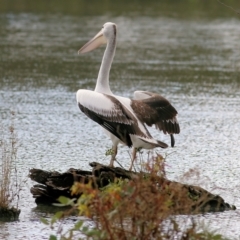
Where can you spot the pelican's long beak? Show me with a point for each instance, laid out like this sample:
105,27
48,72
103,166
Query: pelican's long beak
95,42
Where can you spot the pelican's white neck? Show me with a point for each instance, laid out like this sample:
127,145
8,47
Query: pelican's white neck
102,85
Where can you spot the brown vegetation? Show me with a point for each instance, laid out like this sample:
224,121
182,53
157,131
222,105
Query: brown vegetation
126,205
9,186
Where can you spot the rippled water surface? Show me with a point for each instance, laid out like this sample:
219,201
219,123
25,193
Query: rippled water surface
192,60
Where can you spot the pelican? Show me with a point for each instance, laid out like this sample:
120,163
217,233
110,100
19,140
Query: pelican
124,120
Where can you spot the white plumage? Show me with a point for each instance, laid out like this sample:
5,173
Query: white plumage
122,118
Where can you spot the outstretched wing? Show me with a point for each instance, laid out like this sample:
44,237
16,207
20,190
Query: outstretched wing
153,109
108,112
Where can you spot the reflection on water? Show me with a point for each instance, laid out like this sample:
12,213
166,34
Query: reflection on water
193,61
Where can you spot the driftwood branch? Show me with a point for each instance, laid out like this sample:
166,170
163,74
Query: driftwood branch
52,185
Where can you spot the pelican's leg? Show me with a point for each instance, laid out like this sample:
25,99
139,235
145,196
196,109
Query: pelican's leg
113,155
134,153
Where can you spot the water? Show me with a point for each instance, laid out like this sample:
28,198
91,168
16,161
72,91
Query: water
190,55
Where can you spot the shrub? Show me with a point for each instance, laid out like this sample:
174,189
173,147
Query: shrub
142,208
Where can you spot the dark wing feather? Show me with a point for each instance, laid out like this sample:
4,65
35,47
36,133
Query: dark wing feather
120,130
158,111
116,118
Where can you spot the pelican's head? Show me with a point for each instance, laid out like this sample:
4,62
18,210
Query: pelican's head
108,31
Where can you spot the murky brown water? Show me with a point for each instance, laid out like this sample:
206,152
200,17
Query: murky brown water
190,56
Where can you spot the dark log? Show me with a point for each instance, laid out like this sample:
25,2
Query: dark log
52,185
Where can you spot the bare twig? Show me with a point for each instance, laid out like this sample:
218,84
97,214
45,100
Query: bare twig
229,7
